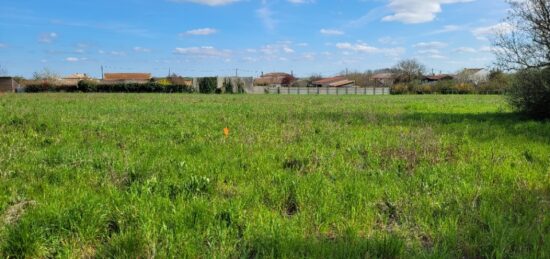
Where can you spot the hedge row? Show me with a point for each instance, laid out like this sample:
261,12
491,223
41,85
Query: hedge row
93,87
450,87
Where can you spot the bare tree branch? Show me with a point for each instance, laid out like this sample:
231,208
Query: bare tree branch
527,44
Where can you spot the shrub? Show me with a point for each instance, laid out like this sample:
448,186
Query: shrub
444,86
463,88
499,82
530,92
425,89
87,86
208,85
91,86
399,89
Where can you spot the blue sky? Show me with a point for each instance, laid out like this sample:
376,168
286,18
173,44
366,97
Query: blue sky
214,37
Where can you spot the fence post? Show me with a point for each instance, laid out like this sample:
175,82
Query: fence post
318,91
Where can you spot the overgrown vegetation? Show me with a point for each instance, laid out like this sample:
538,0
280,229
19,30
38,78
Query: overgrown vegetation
139,176
89,86
208,85
530,92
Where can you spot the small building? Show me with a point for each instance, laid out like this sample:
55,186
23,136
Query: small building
74,79
127,77
338,81
437,78
8,84
383,79
275,80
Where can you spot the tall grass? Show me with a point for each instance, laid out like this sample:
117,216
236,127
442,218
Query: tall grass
145,175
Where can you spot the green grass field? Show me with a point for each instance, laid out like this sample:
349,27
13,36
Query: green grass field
124,175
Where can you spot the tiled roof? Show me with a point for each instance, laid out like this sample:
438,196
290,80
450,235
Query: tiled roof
126,76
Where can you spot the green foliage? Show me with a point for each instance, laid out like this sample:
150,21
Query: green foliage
208,85
92,86
498,84
530,92
87,86
152,175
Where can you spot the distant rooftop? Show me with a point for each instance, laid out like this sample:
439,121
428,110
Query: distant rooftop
126,76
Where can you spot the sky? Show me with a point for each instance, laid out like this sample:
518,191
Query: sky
247,37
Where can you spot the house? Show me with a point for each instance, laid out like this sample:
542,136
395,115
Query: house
8,84
437,78
338,81
74,79
474,75
383,79
275,79
127,77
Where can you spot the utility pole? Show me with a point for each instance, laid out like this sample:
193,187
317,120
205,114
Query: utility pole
169,72
236,72
102,72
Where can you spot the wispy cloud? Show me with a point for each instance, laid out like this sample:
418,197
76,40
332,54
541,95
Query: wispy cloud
201,32
368,49
47,37
207,2
205,51
141,49
331,32
484,33
265,14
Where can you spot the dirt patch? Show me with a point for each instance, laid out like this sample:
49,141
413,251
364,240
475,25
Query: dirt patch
16,211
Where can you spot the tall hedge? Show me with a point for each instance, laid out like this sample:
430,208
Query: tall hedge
87,86
530,93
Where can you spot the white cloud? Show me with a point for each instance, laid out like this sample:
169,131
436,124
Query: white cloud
266,16
465,50
417,11
47,37
430,45
74,59
365,48
331,32
207,2
448,28
117,53
2,45
202,31
483,33
206,51
141,49
301,1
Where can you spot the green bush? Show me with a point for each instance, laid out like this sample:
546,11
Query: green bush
87,86
530,92
463,88
91,86
49,87
399,89
208,85
499,82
